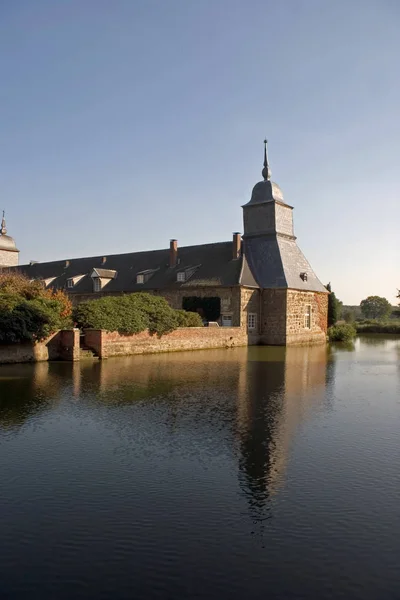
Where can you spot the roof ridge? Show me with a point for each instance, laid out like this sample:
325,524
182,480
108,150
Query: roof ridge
100,256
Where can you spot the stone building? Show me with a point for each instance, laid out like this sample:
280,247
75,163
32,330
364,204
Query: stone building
260,281
8,249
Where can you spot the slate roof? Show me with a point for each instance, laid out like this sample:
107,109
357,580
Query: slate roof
277,262
215,267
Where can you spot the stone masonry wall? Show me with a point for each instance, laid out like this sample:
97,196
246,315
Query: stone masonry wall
8,258
250,303
296,332
107,344
273,317
230,299
63,345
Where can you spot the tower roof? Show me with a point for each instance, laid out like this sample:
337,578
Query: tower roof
267,190
6,241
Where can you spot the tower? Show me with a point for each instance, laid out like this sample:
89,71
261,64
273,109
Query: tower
8,250
294,301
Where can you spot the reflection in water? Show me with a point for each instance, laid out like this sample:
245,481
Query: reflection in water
376,339
253,399
157,476
282,388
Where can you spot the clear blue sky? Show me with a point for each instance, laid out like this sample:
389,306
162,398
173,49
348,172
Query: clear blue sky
126,123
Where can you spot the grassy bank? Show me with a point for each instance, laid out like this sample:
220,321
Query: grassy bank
373,326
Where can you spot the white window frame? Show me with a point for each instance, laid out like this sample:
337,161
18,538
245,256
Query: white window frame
308,316
139,278
252,321
96,284
181,276
70,283
228,316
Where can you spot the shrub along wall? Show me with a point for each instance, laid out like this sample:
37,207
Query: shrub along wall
133,313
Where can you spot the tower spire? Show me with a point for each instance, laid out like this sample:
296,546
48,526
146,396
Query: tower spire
266,172
3,228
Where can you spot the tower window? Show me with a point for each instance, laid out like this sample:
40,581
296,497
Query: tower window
307,316
252,321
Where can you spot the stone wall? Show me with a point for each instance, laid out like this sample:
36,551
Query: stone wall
283,317
296,332
250,303
230,299
106,344
9,258
63,345
273,317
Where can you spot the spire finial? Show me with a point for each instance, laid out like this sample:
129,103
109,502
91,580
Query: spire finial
266,172
3,229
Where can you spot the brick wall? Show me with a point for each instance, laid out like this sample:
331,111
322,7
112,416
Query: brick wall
107,344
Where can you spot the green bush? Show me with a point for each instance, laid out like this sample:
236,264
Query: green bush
189,319
341,333
29,320
132,314
29,312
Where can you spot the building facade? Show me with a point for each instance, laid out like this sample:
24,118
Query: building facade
260,281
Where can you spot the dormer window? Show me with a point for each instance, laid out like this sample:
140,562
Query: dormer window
49,281
102,277
144,276
72,281
304,276
181,276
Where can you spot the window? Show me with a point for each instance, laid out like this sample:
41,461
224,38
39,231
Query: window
252,321
139,278
307,317
226,303
226,320
181,276
96,284
70,283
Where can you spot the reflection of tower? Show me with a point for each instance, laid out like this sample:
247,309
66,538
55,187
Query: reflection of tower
283,386
259,410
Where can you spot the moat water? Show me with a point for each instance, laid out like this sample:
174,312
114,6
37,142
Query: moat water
241,474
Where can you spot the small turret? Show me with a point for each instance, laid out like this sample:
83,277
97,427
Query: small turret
8,249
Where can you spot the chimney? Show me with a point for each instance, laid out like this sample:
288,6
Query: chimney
104,260
173,253
236,245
